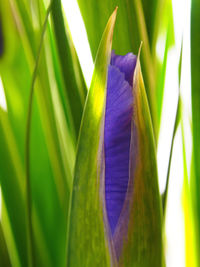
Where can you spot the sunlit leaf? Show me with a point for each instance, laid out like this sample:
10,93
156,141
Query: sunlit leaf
52,138
87,245
195,67
143,244
137,21
75,86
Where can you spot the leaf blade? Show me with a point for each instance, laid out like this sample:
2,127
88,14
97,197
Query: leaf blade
87,207
143,241
195,67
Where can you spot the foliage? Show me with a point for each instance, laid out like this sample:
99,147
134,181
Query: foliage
51,141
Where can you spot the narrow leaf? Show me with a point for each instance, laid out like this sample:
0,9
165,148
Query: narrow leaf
75,89
87,244
195,69
141,241
4,257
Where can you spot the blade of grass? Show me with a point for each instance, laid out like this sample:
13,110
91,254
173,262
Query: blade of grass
195,69
60,103
31,257
86,214
66,62
12,180
191,252
9,237
12,184
45,107
137,25
4,257
161,70
13,122
176,123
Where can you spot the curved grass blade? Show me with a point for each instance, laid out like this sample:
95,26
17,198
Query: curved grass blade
47,170
31,261
88,245
45,104
176,123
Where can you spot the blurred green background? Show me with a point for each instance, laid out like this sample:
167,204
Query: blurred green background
47,53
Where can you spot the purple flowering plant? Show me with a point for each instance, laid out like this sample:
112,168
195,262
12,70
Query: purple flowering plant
118,179
78,161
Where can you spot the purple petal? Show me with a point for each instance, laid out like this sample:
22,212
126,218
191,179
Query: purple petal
125,64
119,109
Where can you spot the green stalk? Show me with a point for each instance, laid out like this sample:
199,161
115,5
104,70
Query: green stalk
31,258
176,123
195,69
164,196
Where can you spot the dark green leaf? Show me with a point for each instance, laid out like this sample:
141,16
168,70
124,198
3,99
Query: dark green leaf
195,70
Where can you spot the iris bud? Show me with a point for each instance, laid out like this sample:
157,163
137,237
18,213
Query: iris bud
117,133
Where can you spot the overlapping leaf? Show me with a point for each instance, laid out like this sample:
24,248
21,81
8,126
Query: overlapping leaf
137,21
90,243
53,136
143,243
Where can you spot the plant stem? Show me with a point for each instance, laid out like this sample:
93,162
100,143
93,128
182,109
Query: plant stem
31,258
177,119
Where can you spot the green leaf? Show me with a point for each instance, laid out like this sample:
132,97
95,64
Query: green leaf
127,37
142,245
130,28
191,249
89,240
12,185
176,124
4,257
87,245
52,144
138,21
166,28
75,86
195,70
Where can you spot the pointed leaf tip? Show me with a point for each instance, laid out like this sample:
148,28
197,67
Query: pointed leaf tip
110,28
91,248
143,245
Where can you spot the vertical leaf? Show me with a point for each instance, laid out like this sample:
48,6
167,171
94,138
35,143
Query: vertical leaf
87,245
76,89
4,257
195,69
142,244
52,145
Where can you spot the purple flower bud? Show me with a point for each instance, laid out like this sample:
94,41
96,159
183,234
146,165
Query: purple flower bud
117,133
